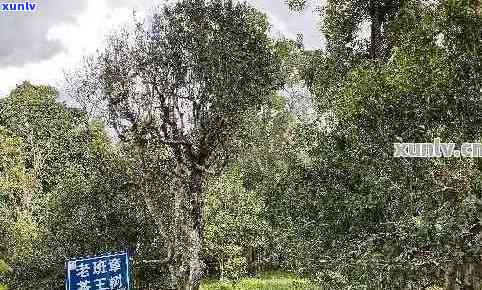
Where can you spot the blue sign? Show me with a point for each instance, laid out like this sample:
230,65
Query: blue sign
107,272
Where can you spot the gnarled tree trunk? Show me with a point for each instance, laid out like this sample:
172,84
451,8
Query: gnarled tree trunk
196,231
189,265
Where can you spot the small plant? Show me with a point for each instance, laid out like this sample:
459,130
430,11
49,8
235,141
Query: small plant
235,268
4,268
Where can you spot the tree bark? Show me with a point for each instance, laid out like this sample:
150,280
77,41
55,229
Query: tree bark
195,264
376,30
196,231
191,226
251,255
181,269
450,277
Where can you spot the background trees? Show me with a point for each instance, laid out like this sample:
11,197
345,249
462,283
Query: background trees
63,188
395,212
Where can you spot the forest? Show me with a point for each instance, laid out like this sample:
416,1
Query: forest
221,157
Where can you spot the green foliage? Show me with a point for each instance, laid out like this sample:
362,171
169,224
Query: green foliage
234,214
235,268
63,186
4,268
296,5
376,219
267,281
19,232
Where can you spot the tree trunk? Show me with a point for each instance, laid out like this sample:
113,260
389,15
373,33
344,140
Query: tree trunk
180,268
190,268
195,237
251,255
376,16
221,269
195,264
450,277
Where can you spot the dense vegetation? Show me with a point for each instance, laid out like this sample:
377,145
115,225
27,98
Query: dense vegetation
193,148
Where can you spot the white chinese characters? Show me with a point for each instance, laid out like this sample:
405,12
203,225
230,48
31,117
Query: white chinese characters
100,267
83,285
116,282
83,270
102,274
100,283
115,265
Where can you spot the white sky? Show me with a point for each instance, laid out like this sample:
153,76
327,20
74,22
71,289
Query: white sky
84,30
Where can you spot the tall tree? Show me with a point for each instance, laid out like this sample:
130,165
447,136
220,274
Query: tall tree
343,20
184,82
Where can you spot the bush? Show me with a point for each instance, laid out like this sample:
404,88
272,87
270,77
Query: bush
235,268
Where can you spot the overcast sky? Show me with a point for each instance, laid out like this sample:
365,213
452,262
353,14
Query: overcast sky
38,46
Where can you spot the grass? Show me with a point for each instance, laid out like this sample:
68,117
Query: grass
267,281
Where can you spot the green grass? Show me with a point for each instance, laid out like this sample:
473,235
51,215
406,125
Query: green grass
268,281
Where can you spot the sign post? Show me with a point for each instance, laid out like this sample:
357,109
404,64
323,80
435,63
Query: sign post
106,272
